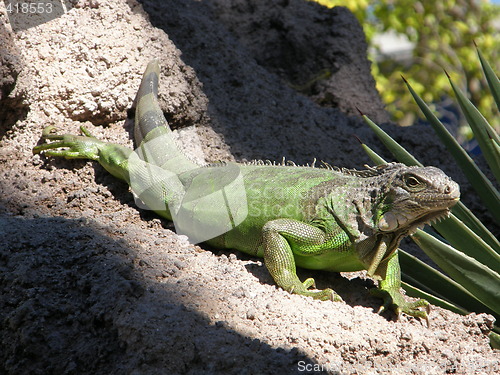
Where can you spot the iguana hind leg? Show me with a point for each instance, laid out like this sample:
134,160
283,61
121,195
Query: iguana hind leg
159,189
111,156
278,255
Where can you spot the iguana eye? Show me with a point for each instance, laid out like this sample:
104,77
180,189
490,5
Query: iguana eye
412,181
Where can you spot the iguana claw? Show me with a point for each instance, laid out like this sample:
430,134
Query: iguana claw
396,301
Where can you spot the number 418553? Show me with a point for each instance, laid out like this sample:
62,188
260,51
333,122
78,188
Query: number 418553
25,8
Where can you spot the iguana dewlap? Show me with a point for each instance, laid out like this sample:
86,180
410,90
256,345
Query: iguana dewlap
316,218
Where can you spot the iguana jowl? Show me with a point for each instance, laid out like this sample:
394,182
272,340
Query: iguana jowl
316,218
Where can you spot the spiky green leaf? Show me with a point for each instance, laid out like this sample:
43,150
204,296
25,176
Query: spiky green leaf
477,278
472,222
376,158
491,77
431,281
483,132
494,340
395,148
464,239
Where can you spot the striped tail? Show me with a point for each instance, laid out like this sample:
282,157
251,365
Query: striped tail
152,135
203,202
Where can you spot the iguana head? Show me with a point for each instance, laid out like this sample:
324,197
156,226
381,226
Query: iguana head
414,196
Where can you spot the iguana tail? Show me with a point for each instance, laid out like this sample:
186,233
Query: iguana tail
148,113
153,136
202,202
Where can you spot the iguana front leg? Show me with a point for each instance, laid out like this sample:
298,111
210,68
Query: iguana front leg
389,289
283,237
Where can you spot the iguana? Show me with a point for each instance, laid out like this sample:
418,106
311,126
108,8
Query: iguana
311,217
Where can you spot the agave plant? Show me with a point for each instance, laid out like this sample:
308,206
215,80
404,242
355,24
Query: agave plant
462,247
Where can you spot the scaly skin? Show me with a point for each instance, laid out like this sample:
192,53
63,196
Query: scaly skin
315,218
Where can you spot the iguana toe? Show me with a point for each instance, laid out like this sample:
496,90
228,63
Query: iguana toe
323,295
395,300
326,294
308,283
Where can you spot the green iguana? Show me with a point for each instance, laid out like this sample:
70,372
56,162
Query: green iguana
315,218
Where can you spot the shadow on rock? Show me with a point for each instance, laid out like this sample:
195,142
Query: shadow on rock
75,301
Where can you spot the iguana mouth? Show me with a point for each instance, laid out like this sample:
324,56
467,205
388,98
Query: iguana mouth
432,218
442,210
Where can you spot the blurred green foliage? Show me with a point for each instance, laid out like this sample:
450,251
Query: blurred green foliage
443,33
